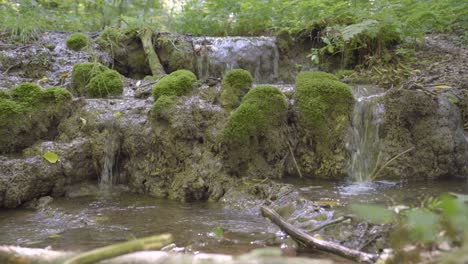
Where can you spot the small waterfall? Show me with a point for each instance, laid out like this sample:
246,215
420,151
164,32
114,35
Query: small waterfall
364,141
216,55
111,151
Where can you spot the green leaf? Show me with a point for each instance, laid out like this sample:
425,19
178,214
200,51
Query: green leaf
51,157
373,213
117,114
217,232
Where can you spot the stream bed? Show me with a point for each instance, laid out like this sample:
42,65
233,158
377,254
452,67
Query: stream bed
93,221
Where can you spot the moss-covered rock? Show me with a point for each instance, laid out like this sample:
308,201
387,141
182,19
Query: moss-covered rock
82,74
95,80
236,83
177,83
4,94
32,113
26,92
77,41
263,108
161,107
254,138
323,107
104,84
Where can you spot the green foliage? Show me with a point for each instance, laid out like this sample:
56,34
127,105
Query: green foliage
55,94
323,104
372,213
263,108
104,84
217,232
77,41
4,95
236,83
177,83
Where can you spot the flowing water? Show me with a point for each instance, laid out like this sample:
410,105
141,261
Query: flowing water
364,141
217,55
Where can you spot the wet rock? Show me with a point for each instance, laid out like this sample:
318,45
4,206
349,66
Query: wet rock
175,52
429,125
39,203
24,179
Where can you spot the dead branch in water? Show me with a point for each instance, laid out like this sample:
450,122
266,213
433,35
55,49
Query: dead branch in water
306,239
94,256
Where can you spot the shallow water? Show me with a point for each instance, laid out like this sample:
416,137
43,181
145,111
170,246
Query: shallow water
90,222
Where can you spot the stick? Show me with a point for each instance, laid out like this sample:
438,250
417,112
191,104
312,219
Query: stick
146,35
94,256
294,160
329,223
373,176
313,242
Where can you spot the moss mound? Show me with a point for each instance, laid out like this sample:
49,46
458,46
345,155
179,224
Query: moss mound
77,41
263,108
95,80
31,113
103,84
236,83
177,83
110,38
323,106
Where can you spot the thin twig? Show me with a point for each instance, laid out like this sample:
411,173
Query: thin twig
294,159
373,176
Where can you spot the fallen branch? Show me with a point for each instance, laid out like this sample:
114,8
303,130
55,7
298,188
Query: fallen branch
94,256
329,223
313,242
146,36
294,160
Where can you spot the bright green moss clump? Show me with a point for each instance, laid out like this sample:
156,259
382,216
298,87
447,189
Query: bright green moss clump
4,95
236,83
262,108
323,103
95,80
162,105
177,83
26,92
104,84
77,41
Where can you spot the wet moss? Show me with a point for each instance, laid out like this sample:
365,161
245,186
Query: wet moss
263,108
104,84
236,83
77,41
177,83
82,74
175,52
162,106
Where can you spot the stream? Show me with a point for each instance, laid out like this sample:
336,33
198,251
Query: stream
93,221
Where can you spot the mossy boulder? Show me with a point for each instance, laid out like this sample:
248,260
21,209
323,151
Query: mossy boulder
77,41
177,83
31,113
323,108
95,80
236,83
254,138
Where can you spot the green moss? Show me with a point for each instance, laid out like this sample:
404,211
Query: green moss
177,83
262,108
77,41
110,38
236,83
56,95
105,83
162,105
175,52
4,94
26,92
82,74
323,103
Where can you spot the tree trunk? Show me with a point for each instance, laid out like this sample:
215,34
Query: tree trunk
146,36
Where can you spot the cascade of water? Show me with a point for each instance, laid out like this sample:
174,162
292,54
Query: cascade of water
111,149
364,141
216,55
